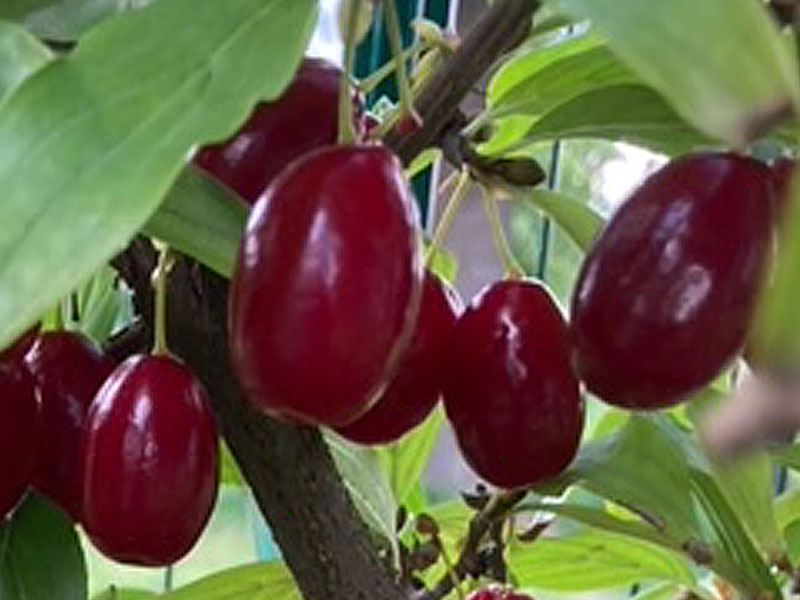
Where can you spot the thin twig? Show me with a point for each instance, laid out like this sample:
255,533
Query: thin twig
481,524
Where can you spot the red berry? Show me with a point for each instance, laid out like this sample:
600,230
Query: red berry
15,353
326,287
304,118
665,297
408,124
150,462
19,421
509,392
497,593
783,169
415,389
69,369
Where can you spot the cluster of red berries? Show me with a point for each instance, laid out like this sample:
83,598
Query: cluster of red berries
129,451
333,322
328,325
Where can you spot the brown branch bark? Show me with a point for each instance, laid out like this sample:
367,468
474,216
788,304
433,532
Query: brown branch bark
502,28
322,538
295,482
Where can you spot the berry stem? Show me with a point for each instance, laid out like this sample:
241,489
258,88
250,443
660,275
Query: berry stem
347,133
159,280
395,39
501,246
446,221
448,564
369,83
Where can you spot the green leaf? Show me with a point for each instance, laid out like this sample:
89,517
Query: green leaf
591,560
453,519
659,591
576,218
202,219
115,593
21,55
549,24
776,334
404,461
735,556
692,53
96,139
444,264
787,508
747,485
422,161
103,307
601,519
40,555
541,78
792,534
63,20
364,478
263,581
644,470
230,470
627,112
787,455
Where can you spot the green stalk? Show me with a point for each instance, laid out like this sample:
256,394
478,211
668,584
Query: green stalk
501,246
395,39
453,204
160,279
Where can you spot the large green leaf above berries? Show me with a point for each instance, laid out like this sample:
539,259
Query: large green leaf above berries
90,145
201,218
722,64
63,19
20,56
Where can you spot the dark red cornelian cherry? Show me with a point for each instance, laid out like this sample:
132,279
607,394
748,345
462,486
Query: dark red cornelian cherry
304,118
15,353
69,369
19,433
665,297
408,124
783,169
415,389
509,392
497,593
150,463
326,288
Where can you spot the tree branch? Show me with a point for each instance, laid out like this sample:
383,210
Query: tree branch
297,487
503,27
469,560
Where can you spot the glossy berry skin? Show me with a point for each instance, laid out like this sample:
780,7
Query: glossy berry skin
69,369
497,593
782,170
15,353
509,392
150,461
415,389
19,423
326,288
303,119
665,297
